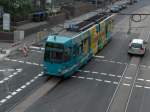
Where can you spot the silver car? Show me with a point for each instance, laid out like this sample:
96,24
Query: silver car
136,46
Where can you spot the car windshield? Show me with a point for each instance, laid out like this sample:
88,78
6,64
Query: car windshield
136,45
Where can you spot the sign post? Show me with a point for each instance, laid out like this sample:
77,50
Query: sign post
6,21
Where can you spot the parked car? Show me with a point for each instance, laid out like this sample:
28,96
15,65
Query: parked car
114,9
137,47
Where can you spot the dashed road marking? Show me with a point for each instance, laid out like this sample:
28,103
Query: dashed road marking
99,80
81,77
128,77
96,56
86,71
110,61
139,79
146,87
89,78
139,86
116,83
10,76
125,84
103,73
111,75
2,101
21,61
119,76
147,80
30,63
8,97
95,72
108,81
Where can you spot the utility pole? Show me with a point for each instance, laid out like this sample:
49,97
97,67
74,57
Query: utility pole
96,3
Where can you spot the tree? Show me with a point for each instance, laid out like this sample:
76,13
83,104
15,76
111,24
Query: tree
17,8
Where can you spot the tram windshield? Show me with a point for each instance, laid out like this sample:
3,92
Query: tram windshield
56,53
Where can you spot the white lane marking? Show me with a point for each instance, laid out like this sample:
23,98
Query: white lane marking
119,76
35,64
40,74
5,79
107,81
32,80
89,78
125,84
8,97
139,86
23,86
116,83
3,100
95,72
103,73
112,61
26,62
2,81
28,83
146,87
21,61
18,90
99,80
2,70
96,56
128,77
81,77
86,71
119,63
15,73
139,79
10,76
13,93
112,75
74,76
147,80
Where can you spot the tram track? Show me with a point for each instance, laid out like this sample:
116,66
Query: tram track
122,95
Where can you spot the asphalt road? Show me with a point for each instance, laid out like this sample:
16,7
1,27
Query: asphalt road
91,89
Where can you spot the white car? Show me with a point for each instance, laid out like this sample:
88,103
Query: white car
136,46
